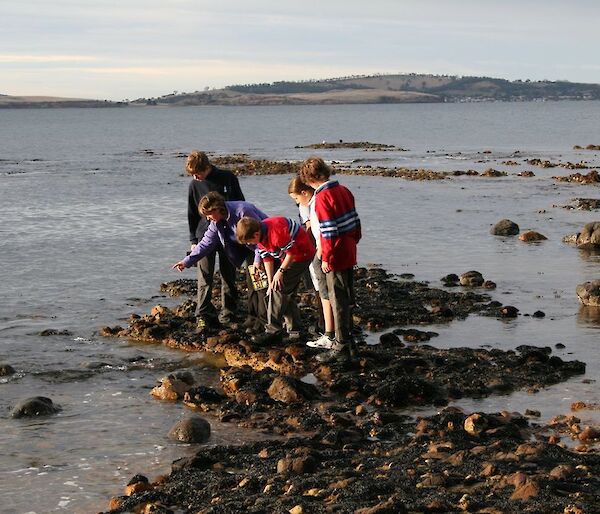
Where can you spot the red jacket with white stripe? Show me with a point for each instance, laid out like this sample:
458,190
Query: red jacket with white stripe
339,225
281,236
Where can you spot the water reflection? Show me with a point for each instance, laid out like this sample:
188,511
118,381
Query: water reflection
589,316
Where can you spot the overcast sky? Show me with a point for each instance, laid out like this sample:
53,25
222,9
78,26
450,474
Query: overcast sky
117,49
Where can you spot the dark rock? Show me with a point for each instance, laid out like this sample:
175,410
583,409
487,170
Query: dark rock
35,406
539,314
508,311
505,227
450,280
389,338
55,332
190,430
6,369
471,279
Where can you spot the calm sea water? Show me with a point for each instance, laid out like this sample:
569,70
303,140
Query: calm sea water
93,213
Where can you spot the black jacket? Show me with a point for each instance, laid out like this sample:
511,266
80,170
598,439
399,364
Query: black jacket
222,181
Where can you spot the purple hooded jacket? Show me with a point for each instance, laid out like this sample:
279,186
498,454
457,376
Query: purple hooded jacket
222,235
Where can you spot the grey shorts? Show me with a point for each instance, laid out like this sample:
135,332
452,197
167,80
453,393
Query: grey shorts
321,278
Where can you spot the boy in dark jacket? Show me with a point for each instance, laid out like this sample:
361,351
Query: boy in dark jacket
206,178
340,232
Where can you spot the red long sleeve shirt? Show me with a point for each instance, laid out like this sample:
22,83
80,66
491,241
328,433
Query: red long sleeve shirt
281,236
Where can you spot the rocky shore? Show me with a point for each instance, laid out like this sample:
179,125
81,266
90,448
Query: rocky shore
243,164
338,437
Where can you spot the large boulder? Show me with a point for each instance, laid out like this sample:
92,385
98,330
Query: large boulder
588,238
35,406
190,430
589,293
505,228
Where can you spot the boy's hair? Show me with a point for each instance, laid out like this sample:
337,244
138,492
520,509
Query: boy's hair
197,162
296,187
210,202
314,169
246,229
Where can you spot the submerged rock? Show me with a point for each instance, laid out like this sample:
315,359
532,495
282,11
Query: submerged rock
35,406
190,430
532,236
505,227
6,369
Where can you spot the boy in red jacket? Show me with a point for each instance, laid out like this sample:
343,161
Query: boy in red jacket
283,239
340,232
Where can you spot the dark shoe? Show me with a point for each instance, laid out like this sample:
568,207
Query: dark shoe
339,354
268,338
258,327
250,322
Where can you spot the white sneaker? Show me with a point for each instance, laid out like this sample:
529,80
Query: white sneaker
324,342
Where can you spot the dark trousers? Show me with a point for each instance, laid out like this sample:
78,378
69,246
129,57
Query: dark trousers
229,295
340,287
257,306
283,303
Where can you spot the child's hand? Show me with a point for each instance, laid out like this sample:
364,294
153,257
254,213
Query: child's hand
325,267
180,266
277,279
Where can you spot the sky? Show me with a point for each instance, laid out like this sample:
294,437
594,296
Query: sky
127,49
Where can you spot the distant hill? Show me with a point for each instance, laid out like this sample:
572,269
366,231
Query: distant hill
24,102
406,88
373,89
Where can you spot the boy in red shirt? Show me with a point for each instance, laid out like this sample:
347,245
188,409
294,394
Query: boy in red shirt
340,232
283,239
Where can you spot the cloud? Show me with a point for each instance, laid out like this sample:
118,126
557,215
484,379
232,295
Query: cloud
38,59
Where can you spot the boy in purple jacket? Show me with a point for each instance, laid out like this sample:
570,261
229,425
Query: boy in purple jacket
220,235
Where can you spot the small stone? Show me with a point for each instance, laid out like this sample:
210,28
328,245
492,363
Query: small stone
508,311
539,314
525,492
562,471
475,424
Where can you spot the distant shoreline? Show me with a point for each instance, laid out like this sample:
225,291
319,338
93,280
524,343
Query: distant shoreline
120,105
357,89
